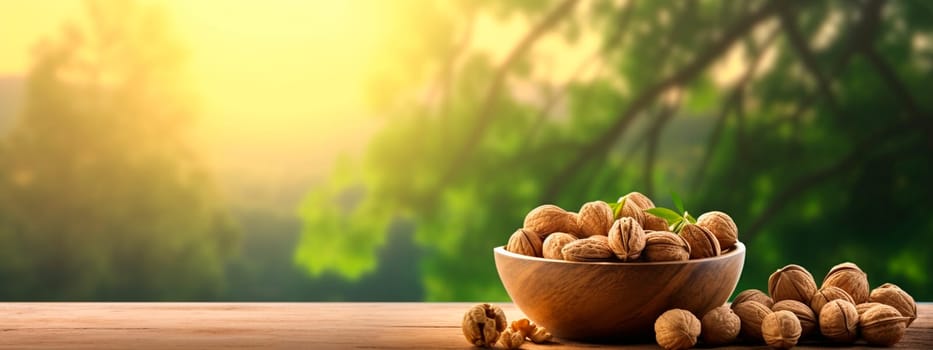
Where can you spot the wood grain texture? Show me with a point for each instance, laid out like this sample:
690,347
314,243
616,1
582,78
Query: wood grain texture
277,326
610,301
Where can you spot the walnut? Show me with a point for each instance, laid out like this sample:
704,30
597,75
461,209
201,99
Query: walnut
540,336
892,295
861,308
511,339
535,333
781,329
751,313
720,326
587,250
632,210
525,242
792,282
722,226
839,321
482,325
753,295
641,200
677,329
804,314
850,278
655,223
547,219
595,218
827,294
703,244
554,243
882,325
665,246
626,239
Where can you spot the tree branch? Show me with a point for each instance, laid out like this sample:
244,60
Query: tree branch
854,158
485,114
797,41
600,147
654,137
730,103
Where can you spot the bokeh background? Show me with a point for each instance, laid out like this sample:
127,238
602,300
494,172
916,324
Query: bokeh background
379,150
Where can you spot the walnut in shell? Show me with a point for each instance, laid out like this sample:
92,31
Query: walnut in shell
805,315
595,218
720,326
753,295
722,226
781,329
626,239
751,313
677,329
892,295
839,321
641,200
632,210
547,219
554,243
665,246
703,244
861,308
525,242
482,325
792,282
850,278
588,250
827,294
882,325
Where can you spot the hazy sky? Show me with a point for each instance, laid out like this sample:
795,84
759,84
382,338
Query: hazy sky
281,82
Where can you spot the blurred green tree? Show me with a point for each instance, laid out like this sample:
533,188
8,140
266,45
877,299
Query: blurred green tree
817,139
101,196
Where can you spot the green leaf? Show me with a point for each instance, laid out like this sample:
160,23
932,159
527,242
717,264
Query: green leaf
678,203
678,226
668,215
618,209
690,218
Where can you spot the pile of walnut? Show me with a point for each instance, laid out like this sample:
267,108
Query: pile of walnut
484,325
837,313
630,233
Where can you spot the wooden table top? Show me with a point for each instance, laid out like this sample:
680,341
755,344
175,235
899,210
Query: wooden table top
275,326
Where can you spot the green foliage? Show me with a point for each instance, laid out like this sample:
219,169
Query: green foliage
810,177
101,196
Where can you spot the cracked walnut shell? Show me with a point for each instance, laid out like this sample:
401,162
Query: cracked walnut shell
525,242
626,239
594,219
839,321
482,325
781,329
677,329
792,282
554,243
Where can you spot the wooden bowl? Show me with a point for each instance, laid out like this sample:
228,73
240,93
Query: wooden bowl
614,301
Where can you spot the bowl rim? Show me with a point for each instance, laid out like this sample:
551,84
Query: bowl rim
739,249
